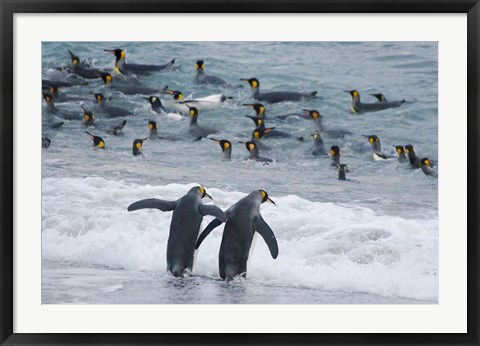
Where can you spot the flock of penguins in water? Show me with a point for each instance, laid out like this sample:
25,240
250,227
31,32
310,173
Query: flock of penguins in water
243,218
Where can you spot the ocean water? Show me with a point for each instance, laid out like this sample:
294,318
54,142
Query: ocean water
372,239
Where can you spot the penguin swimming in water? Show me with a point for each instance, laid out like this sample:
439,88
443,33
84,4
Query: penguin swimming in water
202,103
126,88
317,119
89,120
359,107
137,147
226,148
342,172
45,142
202,78
254,152
122,67
188,213
376,147
318,146
427,168
402,157
260,124
157,106
108,110
97,141
381,98
277,96
258,134
415,161
153,127
195,130
82,68
258,108
243,220
335,155
62,97
67,112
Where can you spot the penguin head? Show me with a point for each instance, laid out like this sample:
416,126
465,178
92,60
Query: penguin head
99,98
373,139
177,95
425,162
48,98
137,146
88,117
224,144
313,113
199,65
379,97
254,83
119,53
154,101
257,120
335,150
265,197
353,93
106,77
97,141
193,111
399,149
204,193
409,149
259,133
152,125
53,89
316,136
258,107
250,146
75,59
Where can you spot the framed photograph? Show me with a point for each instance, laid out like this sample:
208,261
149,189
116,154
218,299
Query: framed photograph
239,173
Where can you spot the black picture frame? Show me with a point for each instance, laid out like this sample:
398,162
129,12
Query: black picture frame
9,8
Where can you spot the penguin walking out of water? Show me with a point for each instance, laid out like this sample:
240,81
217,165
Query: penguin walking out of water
358,106
122,67
427,168
243,220
277,96
226,148
402,157
188,213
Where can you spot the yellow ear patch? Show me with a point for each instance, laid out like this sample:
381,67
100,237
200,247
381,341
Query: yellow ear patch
254,84
256,134
427,162
399,151
370,139
192,112
315,136
139,146
180,96
355,93
99,98
51,90
75,61
260,121
150,126
122,55
251,146
154,99
261,110
332,152
202,190
86,118
226,145
101,144
315,115
108,79
263,194
407,151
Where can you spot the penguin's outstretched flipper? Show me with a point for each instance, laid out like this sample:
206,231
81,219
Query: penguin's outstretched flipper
213,211
267,235
153,203
211,226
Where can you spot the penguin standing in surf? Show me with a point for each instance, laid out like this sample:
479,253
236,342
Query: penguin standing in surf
277,96
188,213
243,220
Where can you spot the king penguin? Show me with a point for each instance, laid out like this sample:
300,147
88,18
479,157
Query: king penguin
402,157
82,68
188,213
415,161
254,152
358,106
427,168
226,148
97,141
376,147
122,67
137,146
277,96
243,220
202,78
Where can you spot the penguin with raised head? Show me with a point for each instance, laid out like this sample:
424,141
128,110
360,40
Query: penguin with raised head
415,161
260,124
254,152
137,146
109,110
64,111
243,220
402,157
202,78
335,155
226,148
127,88
376,147
277,96
188,213
258,108
195,130
358,106
258,134
122,67
427,168
82,68
318,146
153,127
317,120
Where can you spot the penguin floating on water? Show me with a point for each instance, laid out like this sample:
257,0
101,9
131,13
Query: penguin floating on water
427,168
62,97
187,216
376,147
335,155
65,111
153,127
195,130
137,146
157,106
243,220
226,148
415,161
202,78
254,152
402,157
318,146
109,110
342,172
258,108
277,96
83,68
317,119
97,141
260,124
126,88
258,134
359,107
202,103
122,67
45,142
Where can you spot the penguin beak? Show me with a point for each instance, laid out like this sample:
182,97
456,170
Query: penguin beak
215,140
109,50
207,195
271,201
244,80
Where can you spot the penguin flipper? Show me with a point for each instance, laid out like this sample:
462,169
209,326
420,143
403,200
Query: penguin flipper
211,226
153,203
214,211
267,235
